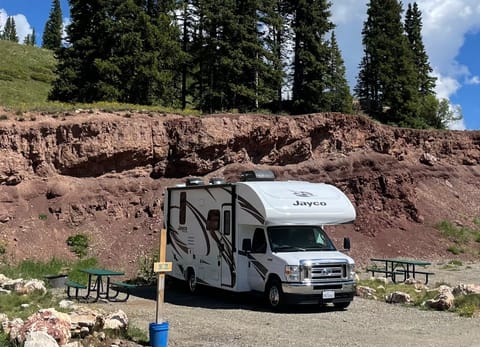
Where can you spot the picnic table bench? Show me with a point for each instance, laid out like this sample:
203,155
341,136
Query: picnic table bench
399,267
77,286
99,286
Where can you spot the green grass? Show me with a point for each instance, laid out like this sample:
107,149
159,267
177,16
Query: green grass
29,269
465,305
459,236
25,74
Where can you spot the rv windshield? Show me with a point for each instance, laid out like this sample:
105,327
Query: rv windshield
293,238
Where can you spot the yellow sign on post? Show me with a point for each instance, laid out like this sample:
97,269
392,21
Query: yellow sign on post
160,268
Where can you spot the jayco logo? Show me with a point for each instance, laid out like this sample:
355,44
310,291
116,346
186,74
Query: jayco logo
309,203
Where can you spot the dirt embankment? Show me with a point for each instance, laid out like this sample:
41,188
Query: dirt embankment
103,174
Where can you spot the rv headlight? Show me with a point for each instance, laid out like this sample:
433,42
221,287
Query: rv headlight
351,273
292,273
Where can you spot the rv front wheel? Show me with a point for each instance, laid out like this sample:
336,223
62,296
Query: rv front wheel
191,282
274,294
341,305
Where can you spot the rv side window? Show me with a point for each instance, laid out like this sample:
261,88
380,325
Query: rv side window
183,208
226,222
213,220
259,242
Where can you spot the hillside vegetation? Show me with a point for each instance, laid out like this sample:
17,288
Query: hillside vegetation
26,74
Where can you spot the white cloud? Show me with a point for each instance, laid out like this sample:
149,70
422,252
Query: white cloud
21,24
473,80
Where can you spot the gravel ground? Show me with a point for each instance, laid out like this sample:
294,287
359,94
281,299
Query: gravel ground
214,318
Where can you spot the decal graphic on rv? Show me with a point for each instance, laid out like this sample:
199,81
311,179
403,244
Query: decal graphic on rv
259,235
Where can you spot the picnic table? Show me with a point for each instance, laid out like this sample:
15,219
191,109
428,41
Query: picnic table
99,286
407,268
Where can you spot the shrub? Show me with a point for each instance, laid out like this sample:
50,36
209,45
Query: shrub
78,244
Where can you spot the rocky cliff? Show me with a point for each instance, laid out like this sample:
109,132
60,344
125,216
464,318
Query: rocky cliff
103,174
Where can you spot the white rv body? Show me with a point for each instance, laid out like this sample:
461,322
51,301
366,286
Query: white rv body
215,238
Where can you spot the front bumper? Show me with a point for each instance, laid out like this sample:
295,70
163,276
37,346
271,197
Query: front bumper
313,293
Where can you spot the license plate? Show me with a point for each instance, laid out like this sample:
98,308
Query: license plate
328,294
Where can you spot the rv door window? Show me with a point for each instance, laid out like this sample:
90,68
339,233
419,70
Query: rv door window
213,220
259,243
183,208
226,222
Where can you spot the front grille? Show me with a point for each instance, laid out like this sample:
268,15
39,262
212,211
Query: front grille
322,272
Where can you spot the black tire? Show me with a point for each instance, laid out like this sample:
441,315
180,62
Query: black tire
341,305
191,282
274,294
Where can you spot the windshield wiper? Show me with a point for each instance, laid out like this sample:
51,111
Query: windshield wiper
285,247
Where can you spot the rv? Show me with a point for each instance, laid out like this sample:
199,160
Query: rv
260,235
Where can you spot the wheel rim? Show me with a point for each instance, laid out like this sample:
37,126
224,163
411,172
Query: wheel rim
192,283
274,296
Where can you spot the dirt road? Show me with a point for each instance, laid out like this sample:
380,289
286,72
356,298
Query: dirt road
215,318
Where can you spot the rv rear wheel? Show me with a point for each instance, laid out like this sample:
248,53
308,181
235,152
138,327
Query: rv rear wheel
274,294
191,282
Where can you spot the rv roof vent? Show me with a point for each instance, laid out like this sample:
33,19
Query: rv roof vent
193,181
216,180
257,175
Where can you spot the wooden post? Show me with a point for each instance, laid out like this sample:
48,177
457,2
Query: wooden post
160,268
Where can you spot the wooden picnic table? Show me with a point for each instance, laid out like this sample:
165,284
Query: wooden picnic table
98,287
407,268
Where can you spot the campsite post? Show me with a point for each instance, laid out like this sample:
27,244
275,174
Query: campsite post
160,268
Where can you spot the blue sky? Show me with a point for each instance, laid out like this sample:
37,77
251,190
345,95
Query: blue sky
451,34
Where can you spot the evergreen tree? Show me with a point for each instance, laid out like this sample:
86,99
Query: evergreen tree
275,37
231,65
338,94
30,39
386,85
311,53
413,29
428,110
120,50
52,34
10,30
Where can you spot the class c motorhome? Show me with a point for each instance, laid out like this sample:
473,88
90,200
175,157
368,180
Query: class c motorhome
260,235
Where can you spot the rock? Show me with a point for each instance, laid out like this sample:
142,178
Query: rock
86,317
397,298
465,289
443,301
428,159
365,292
30,286
55,324
116,321
40,339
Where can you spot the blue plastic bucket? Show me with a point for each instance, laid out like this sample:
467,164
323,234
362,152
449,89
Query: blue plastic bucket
158,334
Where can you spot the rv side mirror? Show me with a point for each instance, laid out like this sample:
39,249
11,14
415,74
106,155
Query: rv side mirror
346,243
246,245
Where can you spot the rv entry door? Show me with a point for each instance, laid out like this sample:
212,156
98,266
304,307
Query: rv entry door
227,267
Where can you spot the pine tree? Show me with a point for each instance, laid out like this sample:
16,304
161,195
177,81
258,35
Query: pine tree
386,85
311,53
338,94
413,28
427,113
275,36
120,50
10,30
30,39
52,34
231,65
